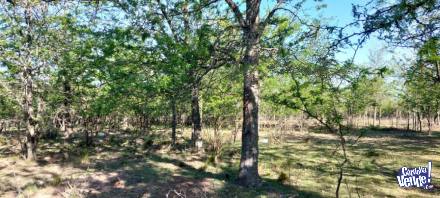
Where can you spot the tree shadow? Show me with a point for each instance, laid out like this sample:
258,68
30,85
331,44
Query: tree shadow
133,177
127,169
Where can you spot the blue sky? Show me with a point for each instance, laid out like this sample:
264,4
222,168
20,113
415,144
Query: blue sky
339,12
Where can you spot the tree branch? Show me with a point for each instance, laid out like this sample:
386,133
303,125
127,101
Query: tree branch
270,15
237,13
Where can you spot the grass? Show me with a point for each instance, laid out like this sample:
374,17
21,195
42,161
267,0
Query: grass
300,164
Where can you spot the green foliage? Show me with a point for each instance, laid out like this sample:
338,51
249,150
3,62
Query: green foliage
222,99
94,66
422,87
405,23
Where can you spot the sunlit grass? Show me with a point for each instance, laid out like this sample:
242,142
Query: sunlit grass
303,164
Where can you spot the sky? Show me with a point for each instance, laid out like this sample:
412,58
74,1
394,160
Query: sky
339,12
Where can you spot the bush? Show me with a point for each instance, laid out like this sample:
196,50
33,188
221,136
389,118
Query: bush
282,177
148,143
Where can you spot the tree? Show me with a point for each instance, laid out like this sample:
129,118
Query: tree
252,30
421,93
413,24
26,54
186,40
408,23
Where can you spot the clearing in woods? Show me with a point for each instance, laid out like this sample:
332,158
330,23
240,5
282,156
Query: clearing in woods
303,164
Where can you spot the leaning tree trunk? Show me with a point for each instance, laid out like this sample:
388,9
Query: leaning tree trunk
248,173
195,116
30,145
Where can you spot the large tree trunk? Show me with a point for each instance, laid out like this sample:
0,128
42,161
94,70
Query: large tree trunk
195,116
29,117
248,173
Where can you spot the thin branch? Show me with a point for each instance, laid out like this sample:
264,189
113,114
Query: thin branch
237,13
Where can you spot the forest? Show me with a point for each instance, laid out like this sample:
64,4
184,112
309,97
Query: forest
219,98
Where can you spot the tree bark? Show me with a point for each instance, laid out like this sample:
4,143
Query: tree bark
438,118
252,29
380,115
429,124
235,129
374,116
415,121
29,117
67,117
173,122
248,172
419,121
196,140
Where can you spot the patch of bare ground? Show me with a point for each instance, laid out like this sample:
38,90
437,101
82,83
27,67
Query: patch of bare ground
299,164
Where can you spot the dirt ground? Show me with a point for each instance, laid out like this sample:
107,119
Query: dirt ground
120,166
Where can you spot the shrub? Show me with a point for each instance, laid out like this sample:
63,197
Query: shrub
282,177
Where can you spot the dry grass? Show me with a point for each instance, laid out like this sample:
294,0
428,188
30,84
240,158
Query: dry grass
294,164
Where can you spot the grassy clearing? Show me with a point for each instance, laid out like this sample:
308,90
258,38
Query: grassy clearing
301,165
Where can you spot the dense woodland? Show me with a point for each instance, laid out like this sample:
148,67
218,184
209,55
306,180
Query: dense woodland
206,78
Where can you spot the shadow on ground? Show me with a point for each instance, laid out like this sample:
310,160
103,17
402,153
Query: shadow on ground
124,167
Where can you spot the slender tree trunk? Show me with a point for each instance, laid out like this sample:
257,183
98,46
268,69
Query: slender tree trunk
438,118
380,115
374,116
438,70
429,124
248,172
196,120
67,111
235,129
365,121
419,121
414,121
30,145
173,122
146,123
88,131
392,119
301,125
29,117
